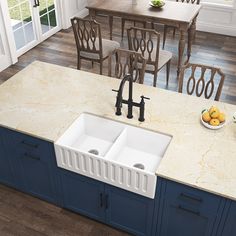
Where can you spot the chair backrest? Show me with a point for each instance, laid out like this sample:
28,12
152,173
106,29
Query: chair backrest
122,62
189,1
146,42
201,80
87,35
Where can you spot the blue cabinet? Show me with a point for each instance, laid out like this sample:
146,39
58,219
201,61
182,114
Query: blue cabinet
34,165
116,207
83,195
29,164
128,211
6,173
229,227
188,211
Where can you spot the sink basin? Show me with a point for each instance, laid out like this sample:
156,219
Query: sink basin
91,134
139,148
118,154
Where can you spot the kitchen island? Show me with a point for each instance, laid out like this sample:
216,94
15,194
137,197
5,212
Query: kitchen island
43,100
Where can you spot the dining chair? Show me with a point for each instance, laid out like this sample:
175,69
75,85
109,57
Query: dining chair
122,62
174,28
201,80
147,42
123,20
89,42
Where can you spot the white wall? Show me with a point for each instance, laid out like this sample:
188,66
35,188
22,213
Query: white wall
71,8
217,19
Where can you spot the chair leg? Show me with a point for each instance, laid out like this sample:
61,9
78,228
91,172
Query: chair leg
164,36
174,31
152,25
122,27
167,72
101,66
155,79
78,63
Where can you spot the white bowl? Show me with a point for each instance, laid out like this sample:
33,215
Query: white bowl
207,125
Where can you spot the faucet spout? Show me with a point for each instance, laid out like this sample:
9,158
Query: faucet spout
120,99
129,102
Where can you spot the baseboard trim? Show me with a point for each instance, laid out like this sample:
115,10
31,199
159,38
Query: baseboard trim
217,29
82,13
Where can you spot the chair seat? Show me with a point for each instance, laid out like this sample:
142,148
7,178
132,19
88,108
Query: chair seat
108,46
164,57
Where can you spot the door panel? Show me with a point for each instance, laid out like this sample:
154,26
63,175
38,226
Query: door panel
83,195
230,226
6,176
129,211
5,58
47,13
22,22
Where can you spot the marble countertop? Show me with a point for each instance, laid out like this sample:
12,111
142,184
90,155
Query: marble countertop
43,100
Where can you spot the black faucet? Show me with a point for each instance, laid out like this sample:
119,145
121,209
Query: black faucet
129,102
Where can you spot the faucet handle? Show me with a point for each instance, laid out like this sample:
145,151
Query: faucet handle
115,90
143,97
142,104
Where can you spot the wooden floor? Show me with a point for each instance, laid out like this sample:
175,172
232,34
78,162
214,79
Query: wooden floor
22,215
211,49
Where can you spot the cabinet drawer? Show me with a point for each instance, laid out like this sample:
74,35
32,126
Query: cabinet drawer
191,200
28,147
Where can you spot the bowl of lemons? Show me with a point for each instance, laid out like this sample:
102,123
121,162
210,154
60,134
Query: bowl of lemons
157,3
213,118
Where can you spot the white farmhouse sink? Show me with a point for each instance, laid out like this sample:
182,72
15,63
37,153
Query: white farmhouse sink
112,152
139,148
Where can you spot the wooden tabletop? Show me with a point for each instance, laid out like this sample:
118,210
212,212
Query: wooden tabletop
174,11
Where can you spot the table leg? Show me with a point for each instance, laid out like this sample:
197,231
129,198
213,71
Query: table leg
191,33
92,14
110,25
181,49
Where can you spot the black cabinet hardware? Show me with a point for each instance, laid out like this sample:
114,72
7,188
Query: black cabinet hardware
191,197
32,156
188,210
29,144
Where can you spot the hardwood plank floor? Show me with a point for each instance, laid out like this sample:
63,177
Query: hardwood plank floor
23,215
211,49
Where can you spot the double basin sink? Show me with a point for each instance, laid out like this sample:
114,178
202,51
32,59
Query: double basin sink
112,152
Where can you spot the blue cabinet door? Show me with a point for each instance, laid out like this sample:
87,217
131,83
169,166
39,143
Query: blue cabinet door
128,211
83,195
229,228
6,174
34,165
188,211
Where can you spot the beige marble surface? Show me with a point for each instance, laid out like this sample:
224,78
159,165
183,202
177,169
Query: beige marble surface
43,100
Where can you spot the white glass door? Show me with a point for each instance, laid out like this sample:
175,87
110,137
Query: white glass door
32,22
48,17
23,26
5,58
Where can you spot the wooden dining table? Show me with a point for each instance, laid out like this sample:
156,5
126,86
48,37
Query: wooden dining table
177,14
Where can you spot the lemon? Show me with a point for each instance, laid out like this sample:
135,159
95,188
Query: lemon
221,117
206,116
214,122
214,112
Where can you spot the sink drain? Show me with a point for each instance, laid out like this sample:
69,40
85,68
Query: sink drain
139,166
94,151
